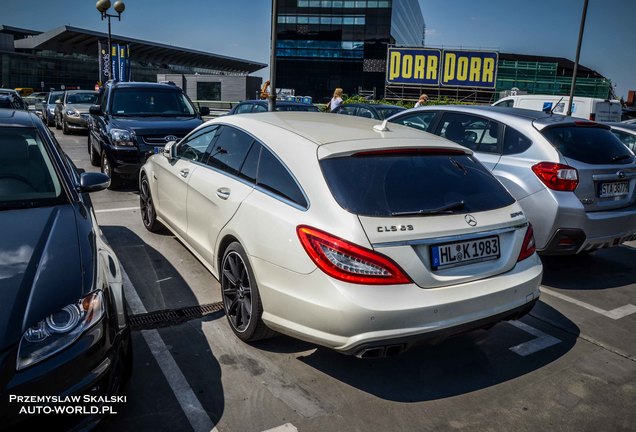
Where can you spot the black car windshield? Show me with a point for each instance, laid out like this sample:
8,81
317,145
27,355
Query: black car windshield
27,175
81,98
136,102
589,144
412,184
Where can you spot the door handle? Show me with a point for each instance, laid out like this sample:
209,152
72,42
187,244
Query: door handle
184,172
223,193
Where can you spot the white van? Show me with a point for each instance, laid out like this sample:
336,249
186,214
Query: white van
596,109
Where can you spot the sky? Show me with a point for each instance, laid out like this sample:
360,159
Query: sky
241,28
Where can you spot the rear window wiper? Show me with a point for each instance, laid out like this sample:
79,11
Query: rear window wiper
448,208
621,157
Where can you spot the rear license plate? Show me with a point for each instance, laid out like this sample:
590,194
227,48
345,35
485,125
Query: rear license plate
608,190
466,252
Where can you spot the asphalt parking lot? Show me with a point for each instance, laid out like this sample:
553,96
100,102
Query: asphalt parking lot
570,365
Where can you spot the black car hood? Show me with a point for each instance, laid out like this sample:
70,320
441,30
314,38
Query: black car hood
40,267
179,126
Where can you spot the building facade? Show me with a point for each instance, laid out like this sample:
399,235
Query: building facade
324,44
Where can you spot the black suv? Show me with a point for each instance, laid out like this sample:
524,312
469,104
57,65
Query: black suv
132,120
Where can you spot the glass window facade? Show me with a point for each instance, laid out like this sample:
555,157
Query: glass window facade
324,44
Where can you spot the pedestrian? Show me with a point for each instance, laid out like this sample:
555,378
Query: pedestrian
423,100
336,100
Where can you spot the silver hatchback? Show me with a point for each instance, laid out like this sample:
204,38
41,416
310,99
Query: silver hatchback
574,179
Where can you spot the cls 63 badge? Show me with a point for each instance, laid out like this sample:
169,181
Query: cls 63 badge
392,228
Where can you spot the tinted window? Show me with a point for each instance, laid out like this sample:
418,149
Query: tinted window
419,120
514,142
250,166
274,177
244,108
81,98
470,131
507,103
194,146
382,185
592,145
230,150
384,113
364,112
149,102
348,110
259,108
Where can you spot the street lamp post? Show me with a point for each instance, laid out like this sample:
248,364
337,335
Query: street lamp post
576,60
271,105
103,6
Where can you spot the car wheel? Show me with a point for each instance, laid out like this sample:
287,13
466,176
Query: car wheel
50,122
115,181
147,207
57,123
241,300
94,156
65,130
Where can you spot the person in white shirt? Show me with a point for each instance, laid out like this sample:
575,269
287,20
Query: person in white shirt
422,100
336,100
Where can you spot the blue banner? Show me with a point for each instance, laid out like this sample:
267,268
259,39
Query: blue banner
413,66
122,60
434,67
469,68
114,53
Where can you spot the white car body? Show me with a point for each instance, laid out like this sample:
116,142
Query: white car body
209,209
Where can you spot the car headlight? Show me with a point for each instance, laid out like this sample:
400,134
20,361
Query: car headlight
72,112
52,110
59,330
121,137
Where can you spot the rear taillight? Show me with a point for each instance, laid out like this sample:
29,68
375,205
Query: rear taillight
528,247
348,262
557,176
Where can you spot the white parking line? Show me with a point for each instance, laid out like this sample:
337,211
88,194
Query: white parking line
117,209
542,340
287,427
614,314
191,406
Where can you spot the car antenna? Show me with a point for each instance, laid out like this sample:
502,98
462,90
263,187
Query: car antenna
382,127
555,105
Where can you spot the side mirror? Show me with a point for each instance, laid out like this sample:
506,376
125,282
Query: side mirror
93,181
168,151
95,110
205,111
58,101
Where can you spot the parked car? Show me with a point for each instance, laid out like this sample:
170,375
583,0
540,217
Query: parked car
575,181
48,107
133,120
374,111
328,231
257,106
34,102
626,132
71,110
11,101
16,99
63,327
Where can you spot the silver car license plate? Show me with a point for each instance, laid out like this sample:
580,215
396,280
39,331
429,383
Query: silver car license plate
613,189
465,252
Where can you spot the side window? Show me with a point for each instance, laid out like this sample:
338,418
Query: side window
194,146
348,110
627,139
363,112
230,149
250,166
420,120
515,142
244,108
260,108
507,103
274,177
470,131
104,101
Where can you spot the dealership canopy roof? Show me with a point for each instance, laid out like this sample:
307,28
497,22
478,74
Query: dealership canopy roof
73,40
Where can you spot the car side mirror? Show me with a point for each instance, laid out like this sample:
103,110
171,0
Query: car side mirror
168,150
204,111
95,110
58,101
93,181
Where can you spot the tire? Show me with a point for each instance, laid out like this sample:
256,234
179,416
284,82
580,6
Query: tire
65,130
241,299
94,156
115,181
147,207
50,123
57,123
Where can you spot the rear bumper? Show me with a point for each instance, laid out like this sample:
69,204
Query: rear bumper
353,318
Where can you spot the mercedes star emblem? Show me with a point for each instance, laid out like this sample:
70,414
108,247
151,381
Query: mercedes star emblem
470,220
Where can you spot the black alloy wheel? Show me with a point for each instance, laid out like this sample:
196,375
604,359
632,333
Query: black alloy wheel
241,299
147,207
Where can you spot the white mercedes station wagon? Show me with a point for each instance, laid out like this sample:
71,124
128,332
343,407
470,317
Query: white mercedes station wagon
343,232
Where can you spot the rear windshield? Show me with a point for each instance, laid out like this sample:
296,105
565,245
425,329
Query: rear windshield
405,184
591,145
